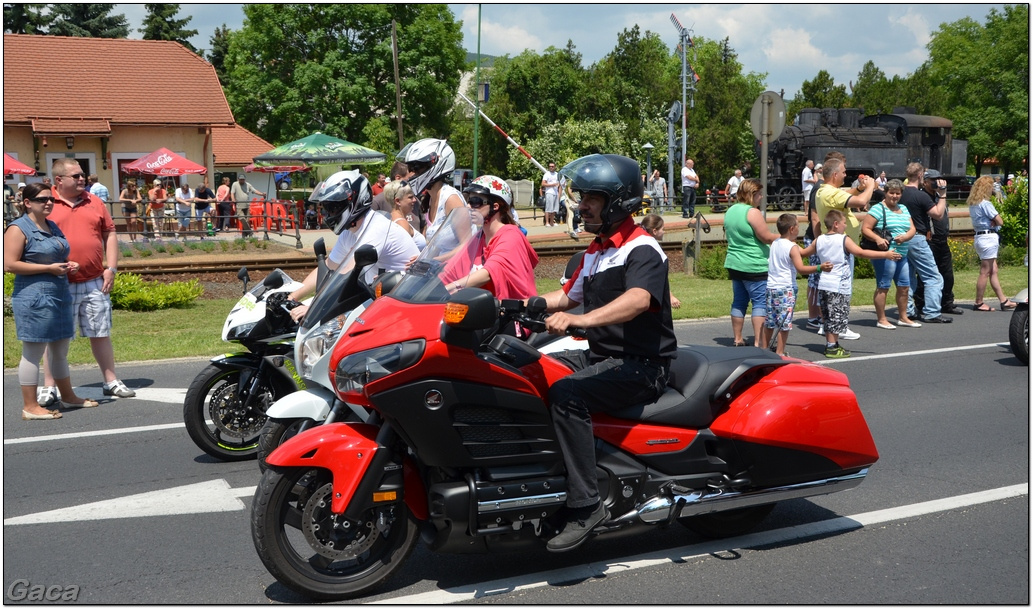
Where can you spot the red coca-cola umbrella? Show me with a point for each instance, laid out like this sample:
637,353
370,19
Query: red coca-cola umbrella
163,162
13,165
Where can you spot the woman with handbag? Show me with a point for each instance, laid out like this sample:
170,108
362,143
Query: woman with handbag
888,226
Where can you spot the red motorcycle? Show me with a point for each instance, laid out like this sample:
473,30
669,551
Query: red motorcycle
461,452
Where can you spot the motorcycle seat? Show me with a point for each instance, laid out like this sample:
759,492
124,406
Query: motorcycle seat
696,375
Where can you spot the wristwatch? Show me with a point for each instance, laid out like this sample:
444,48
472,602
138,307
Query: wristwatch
113,269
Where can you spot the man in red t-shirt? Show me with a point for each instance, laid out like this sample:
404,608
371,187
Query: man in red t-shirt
87,224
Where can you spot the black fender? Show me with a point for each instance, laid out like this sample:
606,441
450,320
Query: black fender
280,372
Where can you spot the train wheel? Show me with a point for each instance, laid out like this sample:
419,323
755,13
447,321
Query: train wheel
787,198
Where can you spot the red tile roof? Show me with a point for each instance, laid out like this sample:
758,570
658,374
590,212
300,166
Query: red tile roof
236,145
137,82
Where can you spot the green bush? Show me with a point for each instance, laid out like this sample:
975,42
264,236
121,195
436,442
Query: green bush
1015,213
1010,255
176,248
711,263
963,255
159,247
225,245
125,252
132,293
863,269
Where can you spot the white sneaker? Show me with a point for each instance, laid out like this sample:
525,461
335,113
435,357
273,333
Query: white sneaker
47,396
821,329
849,334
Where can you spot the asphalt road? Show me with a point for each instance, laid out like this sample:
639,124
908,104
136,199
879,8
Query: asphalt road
117,505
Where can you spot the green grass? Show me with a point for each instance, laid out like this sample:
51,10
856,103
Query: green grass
196,330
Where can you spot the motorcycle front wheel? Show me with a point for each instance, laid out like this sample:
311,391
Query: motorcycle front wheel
217,420
276,432
1018,334
317,553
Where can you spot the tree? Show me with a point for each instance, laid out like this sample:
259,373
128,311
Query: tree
220,42
983,72
720,120
822,92
87,21
25,18
161,24
298,68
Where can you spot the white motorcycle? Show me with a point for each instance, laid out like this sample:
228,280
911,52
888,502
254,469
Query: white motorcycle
225,406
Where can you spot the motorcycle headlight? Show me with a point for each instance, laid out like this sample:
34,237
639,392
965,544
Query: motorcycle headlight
357,369
318,342
241,331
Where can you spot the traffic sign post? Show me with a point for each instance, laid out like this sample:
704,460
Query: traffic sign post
767,119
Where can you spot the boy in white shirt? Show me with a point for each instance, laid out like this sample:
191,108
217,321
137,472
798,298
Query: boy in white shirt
785,260
834,286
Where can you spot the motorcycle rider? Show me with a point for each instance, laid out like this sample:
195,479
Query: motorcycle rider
346,198
430,162
623,284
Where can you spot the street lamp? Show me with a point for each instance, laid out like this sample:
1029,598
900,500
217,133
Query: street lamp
649,159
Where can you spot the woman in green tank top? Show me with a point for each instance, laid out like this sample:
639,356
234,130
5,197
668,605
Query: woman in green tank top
748,238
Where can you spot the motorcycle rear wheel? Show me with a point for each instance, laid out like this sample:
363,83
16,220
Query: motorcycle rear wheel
727,524
317,553
233,434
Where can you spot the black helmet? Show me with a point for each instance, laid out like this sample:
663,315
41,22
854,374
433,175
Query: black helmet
346,196
615,177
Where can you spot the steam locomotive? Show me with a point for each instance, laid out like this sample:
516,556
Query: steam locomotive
872,144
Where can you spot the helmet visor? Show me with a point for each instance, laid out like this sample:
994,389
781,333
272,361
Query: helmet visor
335,191
592,173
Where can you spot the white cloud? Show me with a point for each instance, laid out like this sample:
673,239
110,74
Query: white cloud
497,37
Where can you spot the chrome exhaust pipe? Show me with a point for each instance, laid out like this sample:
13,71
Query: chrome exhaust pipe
659,508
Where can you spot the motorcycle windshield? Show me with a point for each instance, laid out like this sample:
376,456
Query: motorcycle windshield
343,290
452,253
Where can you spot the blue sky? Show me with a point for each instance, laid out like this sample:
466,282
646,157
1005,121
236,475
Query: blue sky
788,42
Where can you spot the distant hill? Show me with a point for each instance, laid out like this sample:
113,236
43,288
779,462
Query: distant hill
487,61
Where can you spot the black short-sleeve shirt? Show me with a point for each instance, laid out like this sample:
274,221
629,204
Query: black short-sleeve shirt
630,258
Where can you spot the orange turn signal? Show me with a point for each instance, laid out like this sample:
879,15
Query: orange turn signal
455,312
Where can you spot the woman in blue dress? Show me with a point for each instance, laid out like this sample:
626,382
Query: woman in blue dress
36,251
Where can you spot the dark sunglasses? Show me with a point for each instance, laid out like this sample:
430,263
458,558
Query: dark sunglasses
77,176
476,201
43,199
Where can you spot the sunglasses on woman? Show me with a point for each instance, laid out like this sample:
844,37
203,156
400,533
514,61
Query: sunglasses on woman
43,199
476,201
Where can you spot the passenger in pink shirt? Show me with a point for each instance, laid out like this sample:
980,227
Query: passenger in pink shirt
504,262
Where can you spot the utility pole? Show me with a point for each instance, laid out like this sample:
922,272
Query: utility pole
685,42
398,84
477,80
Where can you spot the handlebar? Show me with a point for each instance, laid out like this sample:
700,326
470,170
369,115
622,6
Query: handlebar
532,316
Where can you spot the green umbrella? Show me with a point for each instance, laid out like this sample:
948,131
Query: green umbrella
320,149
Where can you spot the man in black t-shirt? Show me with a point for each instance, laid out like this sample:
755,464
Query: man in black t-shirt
920,258
622,281
940,230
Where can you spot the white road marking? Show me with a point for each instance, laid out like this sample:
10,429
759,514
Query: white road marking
665,557
165,395
90,434
200,498
861,358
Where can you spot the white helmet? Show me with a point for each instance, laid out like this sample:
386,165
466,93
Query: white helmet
346,196
428,160
493,186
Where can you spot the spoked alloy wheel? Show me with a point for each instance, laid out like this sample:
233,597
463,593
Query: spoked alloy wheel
234,430
317,553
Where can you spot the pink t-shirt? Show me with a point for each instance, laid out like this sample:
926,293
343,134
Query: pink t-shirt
510,260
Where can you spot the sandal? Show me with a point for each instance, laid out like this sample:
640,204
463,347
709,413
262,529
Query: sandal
1008,304
31,416
740,343
982,306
